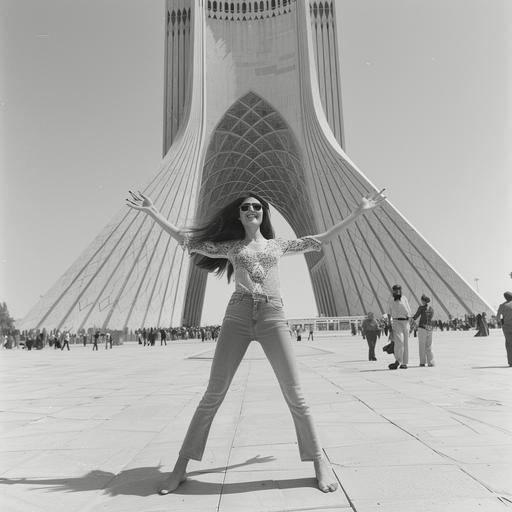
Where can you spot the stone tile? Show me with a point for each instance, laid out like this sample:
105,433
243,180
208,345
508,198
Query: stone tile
469,454
9,426
276,491
433,505
103,438
41,440
59,463
401,453
17,502
399,483
265,458
10,460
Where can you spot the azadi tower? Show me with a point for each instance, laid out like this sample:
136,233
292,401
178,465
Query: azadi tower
253,102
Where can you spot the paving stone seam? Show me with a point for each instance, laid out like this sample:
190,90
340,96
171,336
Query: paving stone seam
235,430
345,492
476,420
465,424
485,486
506,501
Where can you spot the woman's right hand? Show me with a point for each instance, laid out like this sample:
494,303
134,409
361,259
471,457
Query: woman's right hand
140,202
144,204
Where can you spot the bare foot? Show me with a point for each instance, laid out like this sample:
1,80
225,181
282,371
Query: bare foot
172,483
325,476
176,478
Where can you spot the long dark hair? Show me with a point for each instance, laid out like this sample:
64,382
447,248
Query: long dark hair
224,226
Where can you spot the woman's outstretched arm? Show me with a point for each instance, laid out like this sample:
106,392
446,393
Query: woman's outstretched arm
368,202
144,204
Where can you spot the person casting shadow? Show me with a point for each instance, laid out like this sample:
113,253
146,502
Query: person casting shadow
239,239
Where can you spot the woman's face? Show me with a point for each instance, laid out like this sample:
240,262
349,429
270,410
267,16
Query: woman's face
251,212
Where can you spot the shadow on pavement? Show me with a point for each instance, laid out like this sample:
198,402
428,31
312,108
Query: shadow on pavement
376,370
146,481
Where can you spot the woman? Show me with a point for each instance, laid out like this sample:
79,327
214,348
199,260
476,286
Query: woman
481,325
240,239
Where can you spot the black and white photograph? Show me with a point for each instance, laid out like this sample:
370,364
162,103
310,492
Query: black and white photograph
256,255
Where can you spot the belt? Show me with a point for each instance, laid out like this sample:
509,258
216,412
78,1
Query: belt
256,296
406,318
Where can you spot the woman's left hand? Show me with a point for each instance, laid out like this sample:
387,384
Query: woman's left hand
367,203
370,201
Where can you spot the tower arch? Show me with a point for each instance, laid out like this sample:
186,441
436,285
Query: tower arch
252,148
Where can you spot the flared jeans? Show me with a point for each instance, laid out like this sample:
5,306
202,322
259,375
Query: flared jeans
425,345
252,317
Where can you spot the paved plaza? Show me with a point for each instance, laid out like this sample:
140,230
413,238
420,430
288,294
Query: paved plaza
86,431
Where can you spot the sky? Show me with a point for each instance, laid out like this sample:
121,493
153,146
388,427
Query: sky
427,105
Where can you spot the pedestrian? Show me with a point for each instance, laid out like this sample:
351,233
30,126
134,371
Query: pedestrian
370,329
399,312
239,240
65,340
481,325
299,333
310,335
96,338
163,337
504,317
424,314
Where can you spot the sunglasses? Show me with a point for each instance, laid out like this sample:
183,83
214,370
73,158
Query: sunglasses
255,206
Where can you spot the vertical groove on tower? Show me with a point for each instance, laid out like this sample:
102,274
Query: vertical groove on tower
177,64
325,41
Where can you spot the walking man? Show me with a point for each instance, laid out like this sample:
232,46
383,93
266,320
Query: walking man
65,341
399,313
504,317
425,314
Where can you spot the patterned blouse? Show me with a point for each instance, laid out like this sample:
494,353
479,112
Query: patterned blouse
256,269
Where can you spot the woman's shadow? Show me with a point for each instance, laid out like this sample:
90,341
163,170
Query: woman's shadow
145,481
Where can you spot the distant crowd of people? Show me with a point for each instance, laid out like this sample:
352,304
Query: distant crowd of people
38,339
150,336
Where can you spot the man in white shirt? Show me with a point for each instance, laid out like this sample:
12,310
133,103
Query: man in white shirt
399,313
